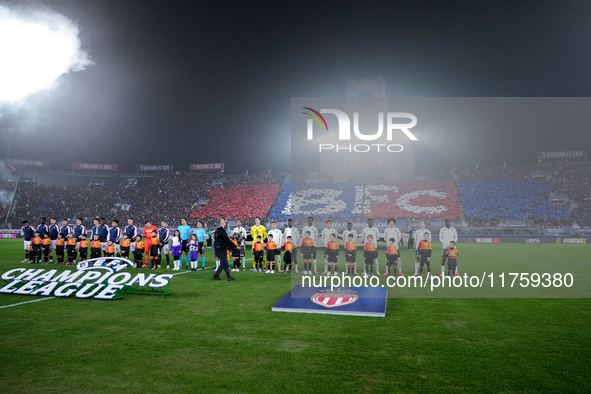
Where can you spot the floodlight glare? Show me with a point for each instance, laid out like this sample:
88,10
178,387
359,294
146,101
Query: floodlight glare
37,48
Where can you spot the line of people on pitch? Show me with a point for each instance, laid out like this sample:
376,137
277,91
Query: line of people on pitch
266,262
69,242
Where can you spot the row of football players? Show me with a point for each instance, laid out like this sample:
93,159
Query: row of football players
331,255
447,235
196,251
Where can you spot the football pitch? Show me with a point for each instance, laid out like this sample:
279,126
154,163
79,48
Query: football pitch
211,336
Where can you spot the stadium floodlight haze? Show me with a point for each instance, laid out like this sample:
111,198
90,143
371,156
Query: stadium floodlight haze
37,46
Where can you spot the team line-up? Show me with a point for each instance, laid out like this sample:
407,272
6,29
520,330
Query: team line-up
267,246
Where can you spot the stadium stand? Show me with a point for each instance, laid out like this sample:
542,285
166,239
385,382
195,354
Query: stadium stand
434,199
574,180
35,200
238,202
494,173
506,196
167,196
490,200
405,200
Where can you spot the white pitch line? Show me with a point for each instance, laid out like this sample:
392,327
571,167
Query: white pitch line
186,272
26,302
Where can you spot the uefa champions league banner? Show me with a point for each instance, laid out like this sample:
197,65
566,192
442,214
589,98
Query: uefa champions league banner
101,279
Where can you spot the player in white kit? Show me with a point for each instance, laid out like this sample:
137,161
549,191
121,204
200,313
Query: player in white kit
394,232
294,233
446,235
314,235
278,239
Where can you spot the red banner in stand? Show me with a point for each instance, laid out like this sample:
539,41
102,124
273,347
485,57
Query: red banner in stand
94,167
206,167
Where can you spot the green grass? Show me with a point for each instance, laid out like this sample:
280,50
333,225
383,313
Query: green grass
222,336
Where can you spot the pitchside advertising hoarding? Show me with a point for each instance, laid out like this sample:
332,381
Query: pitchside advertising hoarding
29,163
569,155
526,240
94,167
154,167
206,166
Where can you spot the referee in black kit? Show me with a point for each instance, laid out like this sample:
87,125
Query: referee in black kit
222,245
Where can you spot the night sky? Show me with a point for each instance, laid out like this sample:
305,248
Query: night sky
188,81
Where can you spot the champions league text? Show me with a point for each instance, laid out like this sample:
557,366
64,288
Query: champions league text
83,284
491,280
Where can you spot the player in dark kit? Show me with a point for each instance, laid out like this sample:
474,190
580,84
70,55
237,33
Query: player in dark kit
27,232
42,228
114,234
54,230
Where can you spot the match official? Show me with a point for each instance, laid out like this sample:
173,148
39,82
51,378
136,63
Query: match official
222,245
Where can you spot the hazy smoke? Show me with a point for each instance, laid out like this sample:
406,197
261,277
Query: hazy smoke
5,198
37,45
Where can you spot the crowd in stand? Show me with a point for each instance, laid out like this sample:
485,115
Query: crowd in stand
6,191
526,199
34,200
488,196
574,180
494,172
169,197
